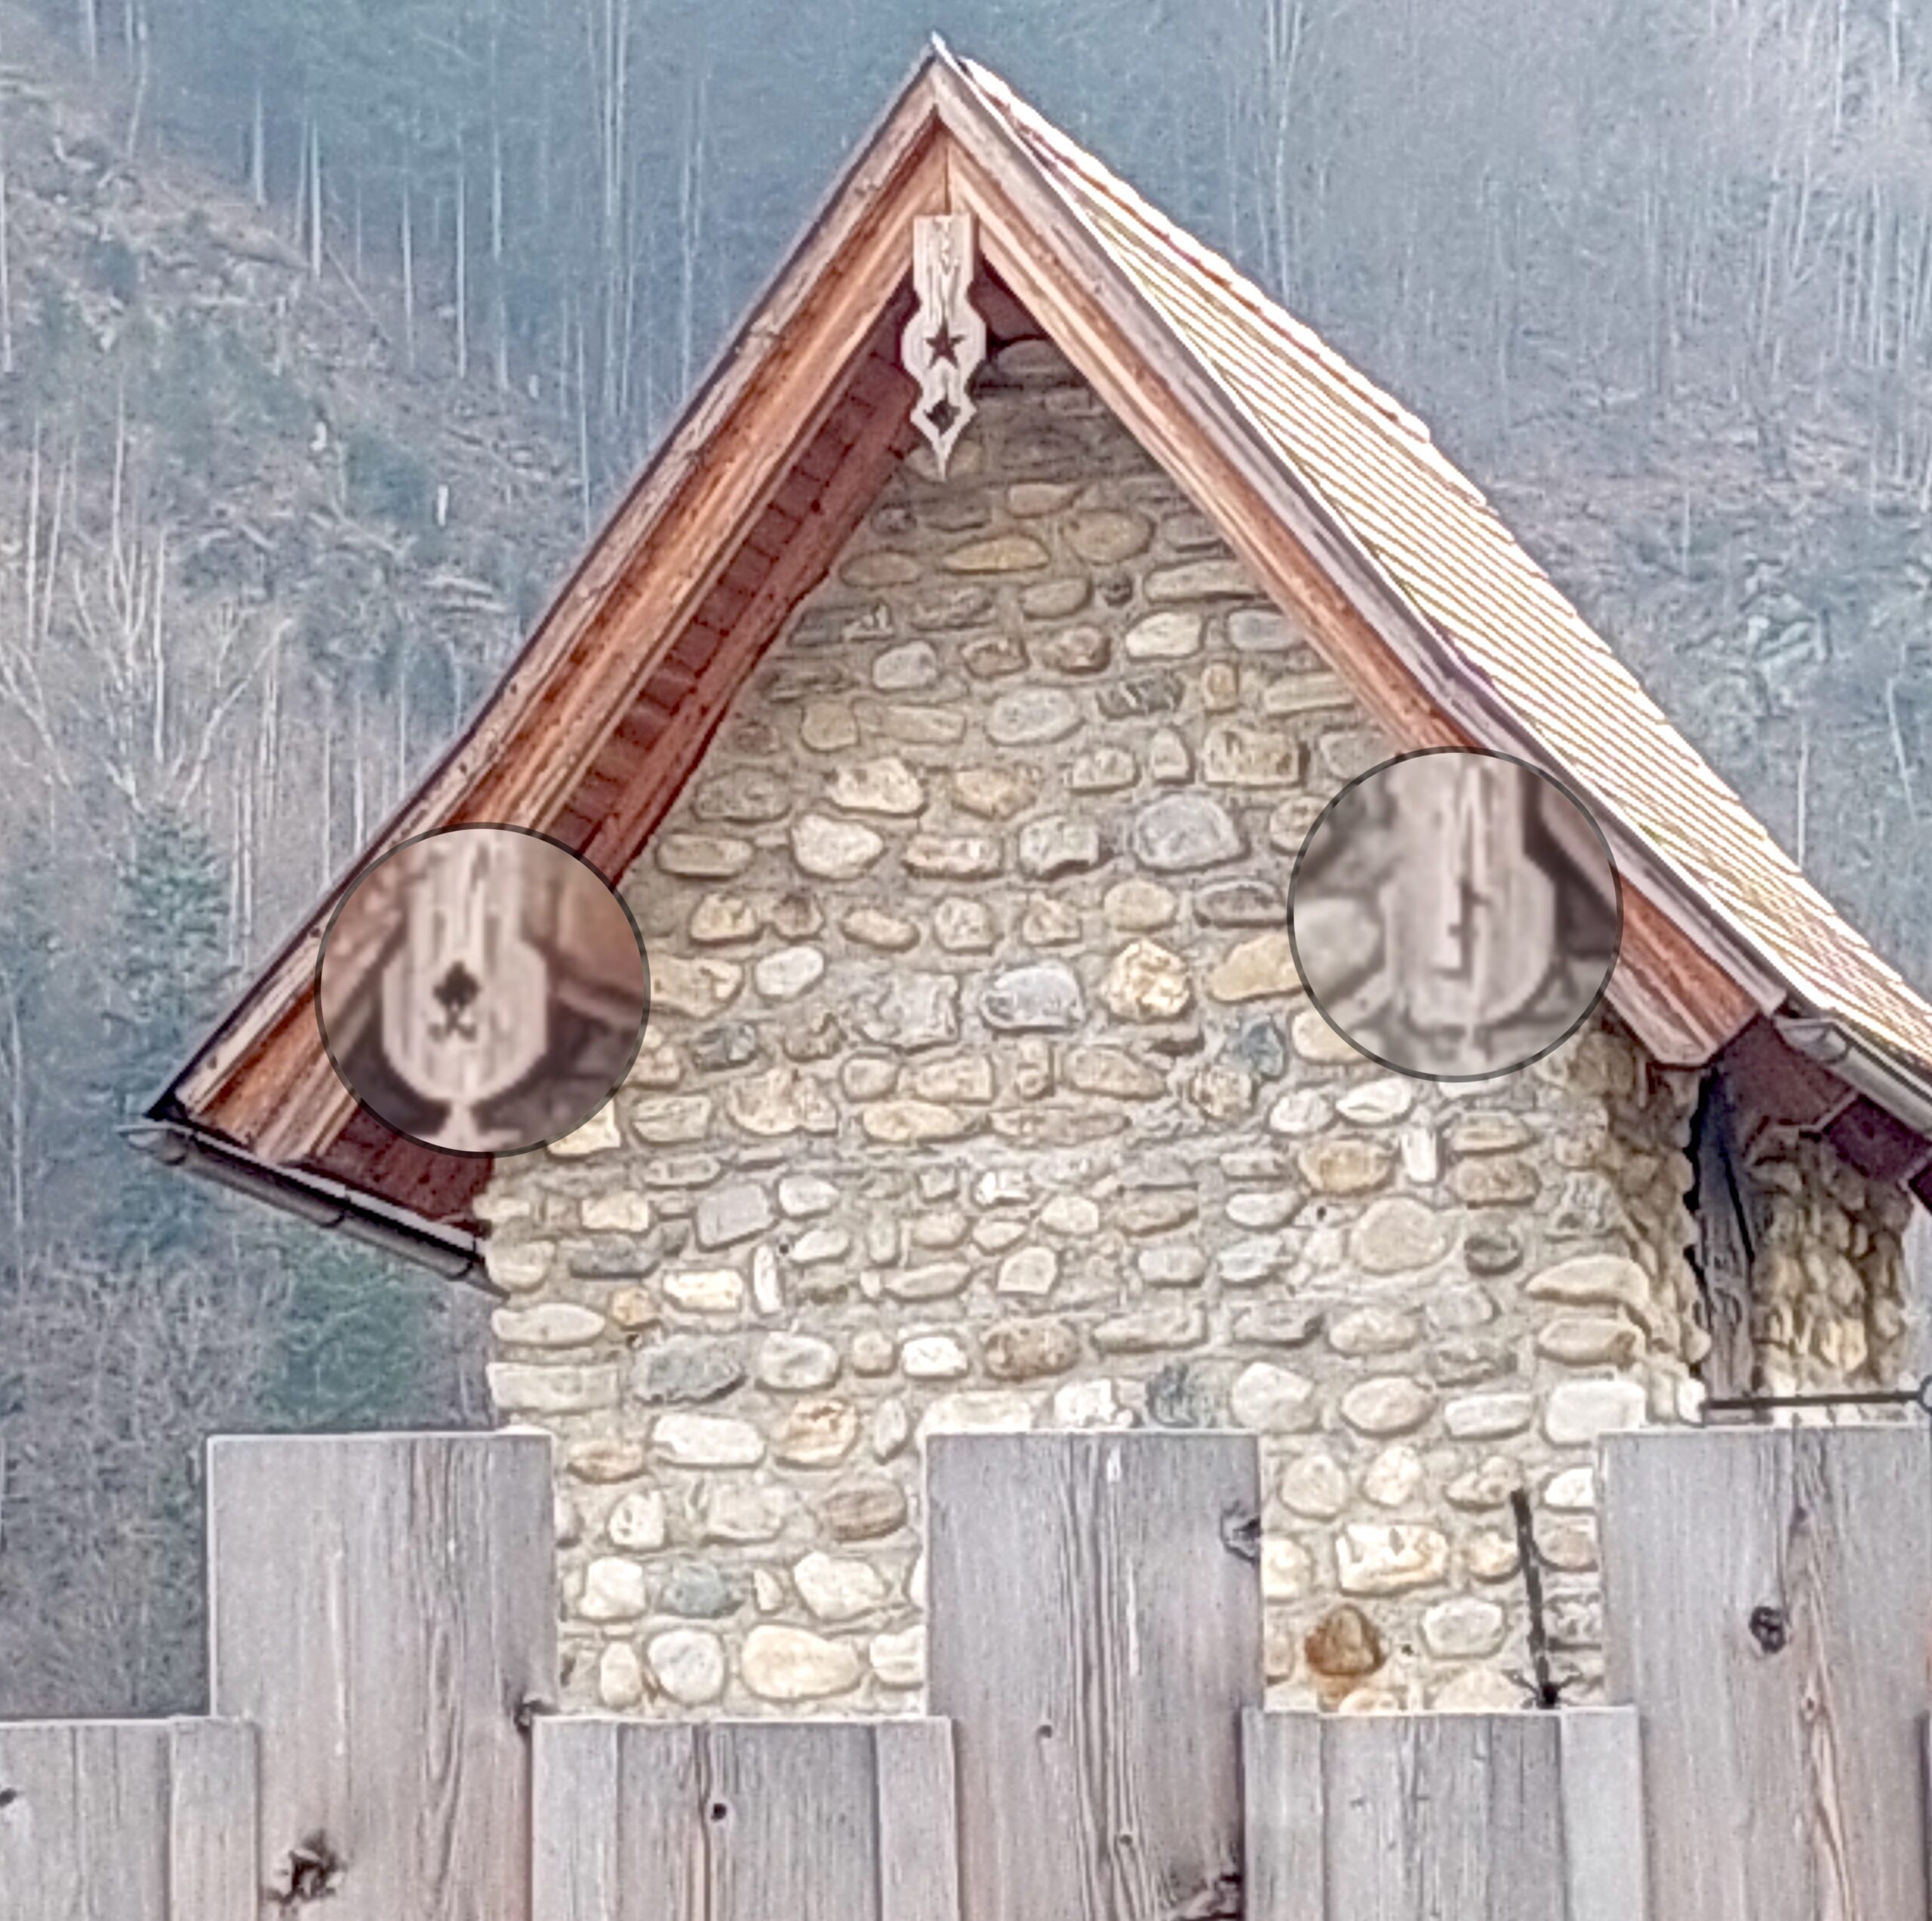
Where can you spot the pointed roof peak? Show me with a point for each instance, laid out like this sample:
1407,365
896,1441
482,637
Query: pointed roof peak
1345,512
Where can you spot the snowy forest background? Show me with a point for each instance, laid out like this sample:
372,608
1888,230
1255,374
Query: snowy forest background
328,327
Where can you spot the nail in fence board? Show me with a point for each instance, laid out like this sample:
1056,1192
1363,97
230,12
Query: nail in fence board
1439,1818
381,1607
737,1820
1766,1602
126,1821
1094,1633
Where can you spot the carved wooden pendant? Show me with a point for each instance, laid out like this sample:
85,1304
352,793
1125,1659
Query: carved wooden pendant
946,339
465,997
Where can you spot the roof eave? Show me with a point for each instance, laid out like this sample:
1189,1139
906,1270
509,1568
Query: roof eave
907,123
448,1252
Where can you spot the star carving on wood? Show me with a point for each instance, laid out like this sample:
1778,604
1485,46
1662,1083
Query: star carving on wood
946,339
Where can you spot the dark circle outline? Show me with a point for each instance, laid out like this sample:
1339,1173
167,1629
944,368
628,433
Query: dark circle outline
363,873
1616,888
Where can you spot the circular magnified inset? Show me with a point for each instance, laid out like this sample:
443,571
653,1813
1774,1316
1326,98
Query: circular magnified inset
1455,915
482,990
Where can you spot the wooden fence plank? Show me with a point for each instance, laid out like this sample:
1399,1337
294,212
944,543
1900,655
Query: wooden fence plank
1603,1814
658,1808
573,1801
1405,1817
741,1821
214,1804
383,1607
1286,1869
1094,1633
84,1825
793,1812
1766,1599
919,1825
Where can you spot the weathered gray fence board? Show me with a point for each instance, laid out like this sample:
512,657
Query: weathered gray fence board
1286,1874
574,1801
126,1820
84,1834
731,1820
1406,1817
213,1807
1766,1603
381,1607
1094,1633
919,1844
1603,1814
764,1859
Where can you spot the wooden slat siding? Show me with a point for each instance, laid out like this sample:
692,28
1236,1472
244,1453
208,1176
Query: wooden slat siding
768,538
1682,994
84,1833
680,525
1094,1633
1284,1874
381,1606
1601,1752
741,1821
919,1825
214,1806
624,829
1786,1785
439,1185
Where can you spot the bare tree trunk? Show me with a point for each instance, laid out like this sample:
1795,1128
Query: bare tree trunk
583,430
136,20
690,221
16,1133
1804,781
6,274
497,276
358,772
462,267
258,150
315,200
326,812
408,280
157,720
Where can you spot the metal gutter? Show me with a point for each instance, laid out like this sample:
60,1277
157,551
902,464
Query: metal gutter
446,1251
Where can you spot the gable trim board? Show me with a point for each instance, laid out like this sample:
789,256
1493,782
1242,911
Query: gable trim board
1335,498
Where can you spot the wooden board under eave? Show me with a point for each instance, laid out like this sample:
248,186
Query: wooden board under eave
1766,1594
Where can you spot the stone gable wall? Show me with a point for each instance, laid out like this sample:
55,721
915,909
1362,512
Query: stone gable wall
980,1093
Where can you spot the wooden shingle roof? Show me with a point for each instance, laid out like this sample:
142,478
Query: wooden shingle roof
1343,509
1438,541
